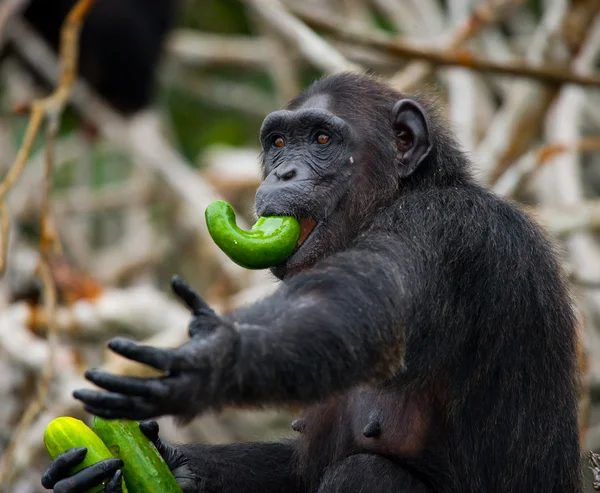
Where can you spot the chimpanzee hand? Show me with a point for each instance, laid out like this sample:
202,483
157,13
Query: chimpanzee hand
196,374
57,477
177,462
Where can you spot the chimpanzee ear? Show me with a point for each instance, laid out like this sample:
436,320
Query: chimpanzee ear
412,135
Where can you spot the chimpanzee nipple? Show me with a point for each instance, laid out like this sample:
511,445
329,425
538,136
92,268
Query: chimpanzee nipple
373,428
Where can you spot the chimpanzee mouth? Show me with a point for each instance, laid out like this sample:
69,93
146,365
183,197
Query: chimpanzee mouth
307,226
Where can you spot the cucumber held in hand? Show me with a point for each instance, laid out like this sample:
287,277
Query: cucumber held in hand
270,241
144,471
65,433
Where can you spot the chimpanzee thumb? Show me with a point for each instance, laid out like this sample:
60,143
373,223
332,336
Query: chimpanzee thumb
170,454
177,462
115,484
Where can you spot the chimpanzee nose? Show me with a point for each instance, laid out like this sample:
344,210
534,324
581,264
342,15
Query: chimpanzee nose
286,173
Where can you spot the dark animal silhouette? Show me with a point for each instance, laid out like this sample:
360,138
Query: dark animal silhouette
120,46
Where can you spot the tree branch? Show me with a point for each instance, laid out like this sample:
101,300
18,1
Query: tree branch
456,58
511,180
51,108
320,53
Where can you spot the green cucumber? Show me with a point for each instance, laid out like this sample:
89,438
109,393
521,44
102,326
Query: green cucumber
65,433
270,241
144,471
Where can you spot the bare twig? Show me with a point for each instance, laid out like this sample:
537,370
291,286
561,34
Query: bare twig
49,241
8,10
563,220
520,117
511,180
282,68
320,53
202,49
585,283
81,200
52,105
37,117
4,228
454,58
209,49
223,93
560,184
407,18
39,402
141,136
462,92
485,13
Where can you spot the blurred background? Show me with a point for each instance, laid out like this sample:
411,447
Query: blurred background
164,118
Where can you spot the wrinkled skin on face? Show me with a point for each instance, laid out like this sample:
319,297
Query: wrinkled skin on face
308,168
317,169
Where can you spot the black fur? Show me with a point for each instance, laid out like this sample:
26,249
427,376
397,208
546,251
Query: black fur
121,43
431,307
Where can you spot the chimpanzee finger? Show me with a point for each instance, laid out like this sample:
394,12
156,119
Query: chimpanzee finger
150,429
179,359
60,467
104,399
161,359
89,477
187,294
150,388
118,405
115,484
134,413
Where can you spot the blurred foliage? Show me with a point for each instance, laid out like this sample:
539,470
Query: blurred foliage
198,124
219,16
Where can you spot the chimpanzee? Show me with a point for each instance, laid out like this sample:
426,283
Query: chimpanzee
120,45
423,322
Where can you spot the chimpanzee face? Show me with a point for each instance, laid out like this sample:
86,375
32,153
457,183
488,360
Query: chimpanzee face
328,161
307,168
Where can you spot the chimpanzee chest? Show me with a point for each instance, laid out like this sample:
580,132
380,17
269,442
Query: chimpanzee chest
388,422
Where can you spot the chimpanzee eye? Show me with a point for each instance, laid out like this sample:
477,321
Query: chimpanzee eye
278,141
322,139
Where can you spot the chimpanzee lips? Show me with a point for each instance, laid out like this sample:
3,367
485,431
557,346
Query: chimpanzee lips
306,228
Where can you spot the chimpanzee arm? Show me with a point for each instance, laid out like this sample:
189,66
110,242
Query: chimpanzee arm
261,467
326,329
266,467
343,322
